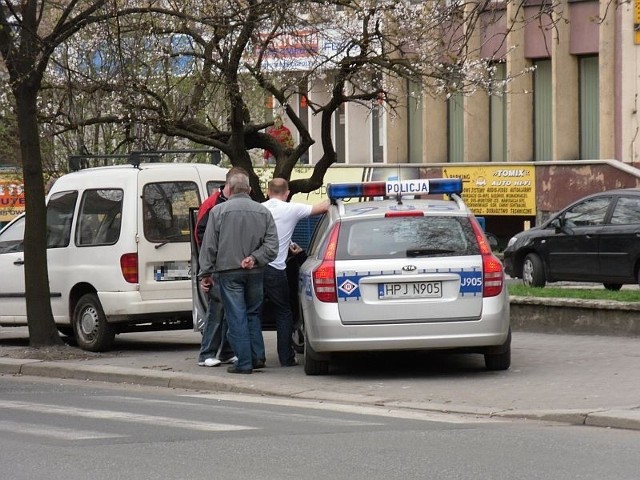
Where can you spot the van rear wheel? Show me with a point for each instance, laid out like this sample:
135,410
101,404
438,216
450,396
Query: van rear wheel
90,327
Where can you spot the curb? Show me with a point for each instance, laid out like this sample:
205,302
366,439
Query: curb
574,316
628,419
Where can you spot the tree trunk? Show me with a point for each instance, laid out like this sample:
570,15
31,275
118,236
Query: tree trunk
42,328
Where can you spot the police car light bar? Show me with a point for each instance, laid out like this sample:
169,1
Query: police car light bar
337,191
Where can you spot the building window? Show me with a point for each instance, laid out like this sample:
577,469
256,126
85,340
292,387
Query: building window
455,120
498,117
414,122
542,115
589,108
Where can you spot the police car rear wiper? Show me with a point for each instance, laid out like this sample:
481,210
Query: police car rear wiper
419,252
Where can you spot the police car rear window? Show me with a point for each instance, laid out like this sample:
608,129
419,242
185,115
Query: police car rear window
406,237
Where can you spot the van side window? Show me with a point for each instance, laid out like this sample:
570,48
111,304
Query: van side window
99,217
165,207
59,218
12,239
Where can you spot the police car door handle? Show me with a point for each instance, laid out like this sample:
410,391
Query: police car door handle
20,261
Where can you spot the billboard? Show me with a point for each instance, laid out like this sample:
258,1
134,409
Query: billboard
11,195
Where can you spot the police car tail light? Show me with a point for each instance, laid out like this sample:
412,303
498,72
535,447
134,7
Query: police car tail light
337,191
492,274
129,267
324,277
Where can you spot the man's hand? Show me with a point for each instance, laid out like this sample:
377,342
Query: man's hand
248,262
294,248
206,283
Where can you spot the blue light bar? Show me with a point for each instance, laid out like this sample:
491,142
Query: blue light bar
393,188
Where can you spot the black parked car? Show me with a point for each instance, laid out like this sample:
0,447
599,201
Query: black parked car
596,239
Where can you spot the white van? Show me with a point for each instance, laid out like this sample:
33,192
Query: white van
118,250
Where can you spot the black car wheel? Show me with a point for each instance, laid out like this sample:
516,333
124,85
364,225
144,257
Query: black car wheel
533,271
90,327
614,287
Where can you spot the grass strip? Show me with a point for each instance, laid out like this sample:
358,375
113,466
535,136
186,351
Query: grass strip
582,293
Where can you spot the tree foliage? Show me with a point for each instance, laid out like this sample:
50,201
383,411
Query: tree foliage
116,75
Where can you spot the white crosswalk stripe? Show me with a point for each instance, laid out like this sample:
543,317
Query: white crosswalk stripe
122,417
54,432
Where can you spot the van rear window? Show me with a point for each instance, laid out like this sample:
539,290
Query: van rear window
166,210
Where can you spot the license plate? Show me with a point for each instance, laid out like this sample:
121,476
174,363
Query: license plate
170,271
409,290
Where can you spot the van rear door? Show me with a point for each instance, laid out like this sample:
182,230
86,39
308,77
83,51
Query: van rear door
164,249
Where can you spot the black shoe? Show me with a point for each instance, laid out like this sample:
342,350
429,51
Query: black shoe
292,363
258,364
234,369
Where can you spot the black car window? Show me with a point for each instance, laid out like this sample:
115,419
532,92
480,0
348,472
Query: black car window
587,213
626,211
399,237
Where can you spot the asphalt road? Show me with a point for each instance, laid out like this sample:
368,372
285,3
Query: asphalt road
568,378
71,430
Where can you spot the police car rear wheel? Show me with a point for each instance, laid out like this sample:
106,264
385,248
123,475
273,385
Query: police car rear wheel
500,360
313,366
92,332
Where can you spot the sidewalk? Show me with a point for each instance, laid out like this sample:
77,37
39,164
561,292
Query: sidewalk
579,380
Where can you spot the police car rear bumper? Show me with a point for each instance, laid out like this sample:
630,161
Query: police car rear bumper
491,329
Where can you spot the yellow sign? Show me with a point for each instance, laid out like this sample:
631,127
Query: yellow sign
500,190
333,175
636,22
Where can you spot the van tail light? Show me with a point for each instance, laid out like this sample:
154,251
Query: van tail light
324,277
129,267
492,273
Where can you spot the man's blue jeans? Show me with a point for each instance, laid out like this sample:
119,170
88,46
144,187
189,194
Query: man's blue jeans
214,342
242,296
277,291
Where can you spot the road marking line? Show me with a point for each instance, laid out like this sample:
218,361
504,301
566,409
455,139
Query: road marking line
54,432
123,417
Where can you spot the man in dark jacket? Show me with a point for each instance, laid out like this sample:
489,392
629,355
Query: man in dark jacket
214,347
240,239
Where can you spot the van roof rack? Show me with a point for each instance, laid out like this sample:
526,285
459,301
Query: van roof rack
79,162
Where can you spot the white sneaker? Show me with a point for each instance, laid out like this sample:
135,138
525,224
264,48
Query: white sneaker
233,359
210,362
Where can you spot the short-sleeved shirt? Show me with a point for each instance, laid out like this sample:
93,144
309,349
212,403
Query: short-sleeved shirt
286,215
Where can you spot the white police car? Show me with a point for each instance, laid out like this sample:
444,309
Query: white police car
402,273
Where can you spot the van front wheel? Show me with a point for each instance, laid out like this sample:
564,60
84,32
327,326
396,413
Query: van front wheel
90,327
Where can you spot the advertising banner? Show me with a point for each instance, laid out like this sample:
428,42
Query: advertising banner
498,190
11,195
